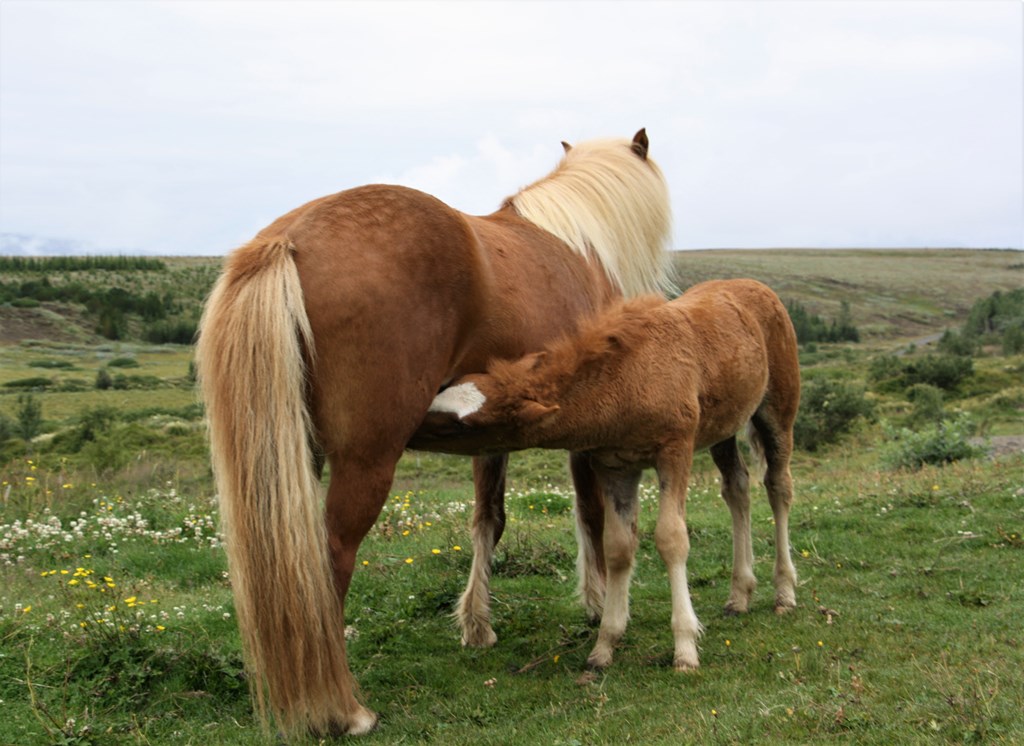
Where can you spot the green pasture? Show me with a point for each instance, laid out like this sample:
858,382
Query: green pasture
117,622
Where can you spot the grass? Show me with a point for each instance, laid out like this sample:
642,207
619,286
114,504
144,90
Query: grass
907,629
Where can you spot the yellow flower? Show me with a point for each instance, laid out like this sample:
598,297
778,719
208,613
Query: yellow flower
27,609
456,548
408,560
435,551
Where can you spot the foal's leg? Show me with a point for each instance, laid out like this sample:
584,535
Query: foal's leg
474,608
620,509
778,447
589,530
736,493
673,542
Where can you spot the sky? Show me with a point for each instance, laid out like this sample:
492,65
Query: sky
184,127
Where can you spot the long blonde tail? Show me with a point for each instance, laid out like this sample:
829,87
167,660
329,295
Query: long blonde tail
251,358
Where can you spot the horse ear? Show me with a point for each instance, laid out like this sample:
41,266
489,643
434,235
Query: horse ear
532,411
566,146
640,143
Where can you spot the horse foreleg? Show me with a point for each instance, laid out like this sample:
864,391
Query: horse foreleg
736,493
474,608
673,543
590,568
620,540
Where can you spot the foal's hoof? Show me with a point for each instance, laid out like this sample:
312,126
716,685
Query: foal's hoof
784,608
598,662
733,610
685,666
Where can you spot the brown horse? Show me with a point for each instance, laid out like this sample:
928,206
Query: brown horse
645,385
326,339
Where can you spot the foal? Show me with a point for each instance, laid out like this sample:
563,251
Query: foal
646,384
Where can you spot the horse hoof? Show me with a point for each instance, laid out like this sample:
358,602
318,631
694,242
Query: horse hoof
481,639
685,667
784,608
361,722
731,610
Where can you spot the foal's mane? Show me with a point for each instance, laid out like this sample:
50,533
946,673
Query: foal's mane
606,202
573,356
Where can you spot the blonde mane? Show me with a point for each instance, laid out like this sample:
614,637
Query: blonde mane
607,203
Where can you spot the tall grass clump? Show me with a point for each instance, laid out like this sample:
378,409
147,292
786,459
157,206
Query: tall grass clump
942,442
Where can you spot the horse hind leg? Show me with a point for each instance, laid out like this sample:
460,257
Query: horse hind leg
590,566
776,444
619,538
736,493
473,610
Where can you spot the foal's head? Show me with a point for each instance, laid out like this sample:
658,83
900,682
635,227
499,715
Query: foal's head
484,412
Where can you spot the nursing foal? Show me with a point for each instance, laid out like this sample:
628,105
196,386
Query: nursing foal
646,384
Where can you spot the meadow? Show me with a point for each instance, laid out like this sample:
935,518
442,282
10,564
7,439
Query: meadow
116,618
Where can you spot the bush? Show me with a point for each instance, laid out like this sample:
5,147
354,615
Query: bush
942,371
812,328
891,373
941,443
29,414
171,332
103,379
37,382
828,410
123,362
927,401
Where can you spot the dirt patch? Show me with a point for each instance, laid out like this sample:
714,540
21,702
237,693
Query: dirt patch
1002,445
17,324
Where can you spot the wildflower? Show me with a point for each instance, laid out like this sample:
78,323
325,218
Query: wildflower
27,609
366,563
805,554
435,551
728,643
160,628
556,659
408,560
821,644
405,533
456,548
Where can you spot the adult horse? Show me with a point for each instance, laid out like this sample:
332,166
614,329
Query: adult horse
326,339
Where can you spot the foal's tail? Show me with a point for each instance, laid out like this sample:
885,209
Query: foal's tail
756,443
254,342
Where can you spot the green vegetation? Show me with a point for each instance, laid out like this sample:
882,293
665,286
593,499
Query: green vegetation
117,623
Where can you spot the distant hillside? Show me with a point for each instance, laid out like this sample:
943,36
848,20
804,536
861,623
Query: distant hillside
892,294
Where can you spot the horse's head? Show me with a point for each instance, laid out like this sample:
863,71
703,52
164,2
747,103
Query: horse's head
477,415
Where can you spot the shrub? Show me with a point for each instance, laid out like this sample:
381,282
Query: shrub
940,443
29,417
123,362
103,379
890,373
942,371
828,410
812,328
171,332
927,401
36,382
